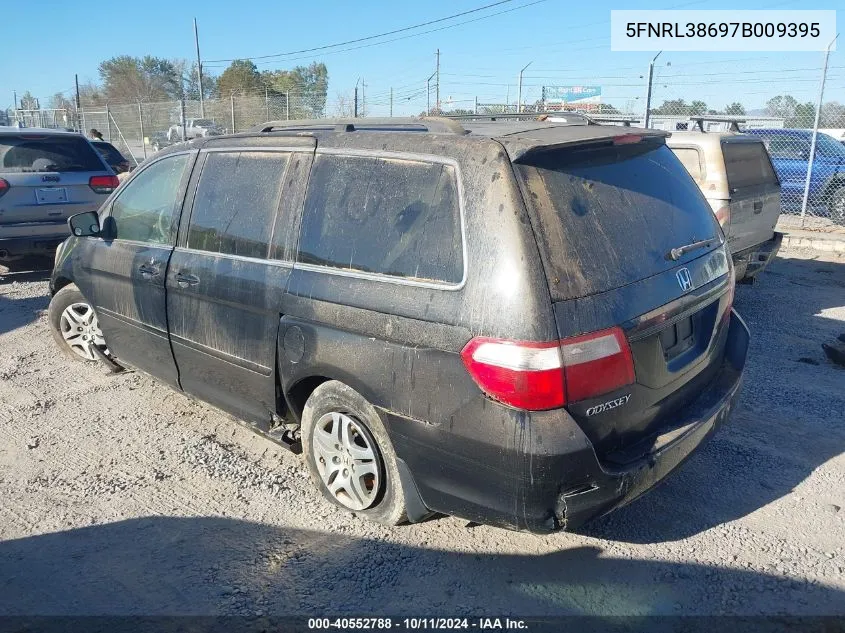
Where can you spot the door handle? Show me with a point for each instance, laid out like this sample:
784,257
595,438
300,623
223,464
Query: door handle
148,271
184,280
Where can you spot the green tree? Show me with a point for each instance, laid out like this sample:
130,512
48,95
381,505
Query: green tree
128,79
241,77
307,87
782,106
698,107
735,109
28,102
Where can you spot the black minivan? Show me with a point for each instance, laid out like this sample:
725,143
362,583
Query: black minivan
524,323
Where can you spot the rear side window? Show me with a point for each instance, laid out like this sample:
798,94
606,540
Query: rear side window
748,165
236,203
26,153
109,152
383,215
608,215
690,159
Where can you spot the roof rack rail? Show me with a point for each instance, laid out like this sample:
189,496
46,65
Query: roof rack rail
436,125
698,121
521,116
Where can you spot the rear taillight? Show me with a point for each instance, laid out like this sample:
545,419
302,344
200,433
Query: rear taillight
523,375
4,187
596,363
103,184
539,376
723,215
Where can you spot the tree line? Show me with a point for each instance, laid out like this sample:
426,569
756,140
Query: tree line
125,79
794,113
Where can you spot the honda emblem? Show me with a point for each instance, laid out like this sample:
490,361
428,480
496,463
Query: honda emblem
684,279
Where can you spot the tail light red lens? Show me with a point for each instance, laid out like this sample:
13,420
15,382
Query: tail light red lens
627,139
4,187
103,184
596,363
523,375
723,215
538,376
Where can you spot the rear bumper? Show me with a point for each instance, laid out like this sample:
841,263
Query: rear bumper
752,261
39,243
547,476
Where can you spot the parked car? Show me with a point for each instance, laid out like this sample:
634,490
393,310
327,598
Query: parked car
736,177
790,152
194,128
45,177
117,161
524,324
160,140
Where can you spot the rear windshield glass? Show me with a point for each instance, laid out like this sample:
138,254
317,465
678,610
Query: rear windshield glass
109,152
48,153
608,215
748,165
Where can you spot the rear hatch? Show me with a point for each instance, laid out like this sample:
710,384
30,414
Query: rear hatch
608,215
47,180
754,192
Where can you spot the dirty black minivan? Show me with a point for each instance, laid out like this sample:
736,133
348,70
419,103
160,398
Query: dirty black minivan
523,323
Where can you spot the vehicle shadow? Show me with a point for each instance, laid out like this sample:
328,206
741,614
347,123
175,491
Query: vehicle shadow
220,566
786,423
18,312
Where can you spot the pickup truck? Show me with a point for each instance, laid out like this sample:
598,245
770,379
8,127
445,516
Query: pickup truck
736,176
194,128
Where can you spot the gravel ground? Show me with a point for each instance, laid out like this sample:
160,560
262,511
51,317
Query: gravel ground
120,496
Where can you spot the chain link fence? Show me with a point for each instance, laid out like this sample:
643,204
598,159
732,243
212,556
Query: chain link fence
803,132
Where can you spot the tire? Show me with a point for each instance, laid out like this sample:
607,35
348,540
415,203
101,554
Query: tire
343,417
69,310
836,206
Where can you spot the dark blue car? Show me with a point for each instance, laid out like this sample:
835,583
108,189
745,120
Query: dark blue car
790,152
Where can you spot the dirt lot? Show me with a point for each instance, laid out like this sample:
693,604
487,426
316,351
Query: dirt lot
119,496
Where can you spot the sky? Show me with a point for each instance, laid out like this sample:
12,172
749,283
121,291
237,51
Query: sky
481,54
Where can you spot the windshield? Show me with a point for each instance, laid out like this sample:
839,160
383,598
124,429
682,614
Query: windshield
829,146
609,215
204,122
27,153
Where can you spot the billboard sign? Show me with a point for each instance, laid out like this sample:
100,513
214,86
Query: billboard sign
572,94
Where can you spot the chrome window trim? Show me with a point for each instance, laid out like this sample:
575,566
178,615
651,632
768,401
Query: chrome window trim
393,279
243,258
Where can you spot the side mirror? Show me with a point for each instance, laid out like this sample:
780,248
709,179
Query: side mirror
84,224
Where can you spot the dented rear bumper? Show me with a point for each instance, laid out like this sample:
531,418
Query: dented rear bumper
539,472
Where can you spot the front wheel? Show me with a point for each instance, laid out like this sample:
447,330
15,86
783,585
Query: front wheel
349,455
836,206
74,325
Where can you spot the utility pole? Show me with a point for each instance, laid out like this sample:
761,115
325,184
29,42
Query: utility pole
648,93
78,124
815,133
391,102
437,100
15,93
428,94
519,93
363,98
355,110
199,67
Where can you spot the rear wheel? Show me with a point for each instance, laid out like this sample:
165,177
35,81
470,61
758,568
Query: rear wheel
74,325
836,205
349,455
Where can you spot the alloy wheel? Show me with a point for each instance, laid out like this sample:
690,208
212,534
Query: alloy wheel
81,330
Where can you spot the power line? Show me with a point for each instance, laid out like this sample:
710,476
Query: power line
369,37
404,37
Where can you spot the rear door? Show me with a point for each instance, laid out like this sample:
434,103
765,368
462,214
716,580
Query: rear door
754,191
125,269
607,218
227,277
48,180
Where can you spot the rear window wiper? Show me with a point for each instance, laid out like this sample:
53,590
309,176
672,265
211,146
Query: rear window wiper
676,253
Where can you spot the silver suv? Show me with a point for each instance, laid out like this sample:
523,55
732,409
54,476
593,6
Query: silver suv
45,177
